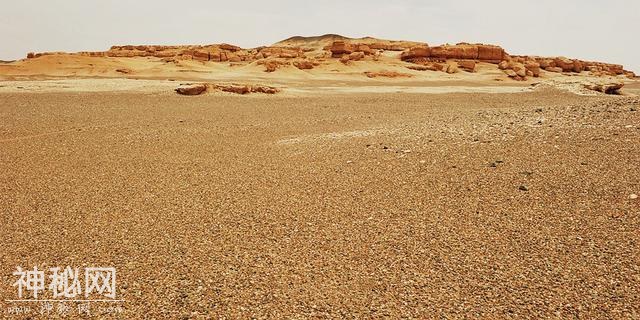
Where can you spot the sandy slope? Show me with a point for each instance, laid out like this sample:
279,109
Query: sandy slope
63,73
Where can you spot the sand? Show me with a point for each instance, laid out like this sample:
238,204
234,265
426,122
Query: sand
338,204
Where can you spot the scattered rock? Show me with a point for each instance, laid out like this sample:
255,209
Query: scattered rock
533,67
272,65
510,73
633,196
339,48
387,74
238,89
554,69
305,64
192,89
467,65
430,66
523,188
196,89
452,67
605,87
419,68
565,64
265,89
356,56
245,89
519,69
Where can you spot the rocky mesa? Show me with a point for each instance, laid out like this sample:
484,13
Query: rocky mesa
306,53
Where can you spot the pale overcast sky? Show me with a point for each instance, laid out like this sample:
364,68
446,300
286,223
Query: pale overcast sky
587,29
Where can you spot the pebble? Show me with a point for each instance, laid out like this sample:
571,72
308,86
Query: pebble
633,196
495,163
523,188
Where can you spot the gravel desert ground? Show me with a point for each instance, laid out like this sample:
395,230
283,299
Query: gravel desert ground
320,177
340,205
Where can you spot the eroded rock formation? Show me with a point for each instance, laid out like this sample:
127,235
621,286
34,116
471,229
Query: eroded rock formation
191,89
308,53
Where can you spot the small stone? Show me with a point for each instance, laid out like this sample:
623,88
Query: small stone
406,151
633,196
632,109
523,188
423,161
349,162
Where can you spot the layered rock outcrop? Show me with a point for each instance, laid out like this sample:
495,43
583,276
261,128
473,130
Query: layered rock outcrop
308,53
341,48
461,51
564,65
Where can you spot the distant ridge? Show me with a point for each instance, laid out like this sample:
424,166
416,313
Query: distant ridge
338,52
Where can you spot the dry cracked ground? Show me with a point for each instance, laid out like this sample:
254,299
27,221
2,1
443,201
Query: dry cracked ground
337,206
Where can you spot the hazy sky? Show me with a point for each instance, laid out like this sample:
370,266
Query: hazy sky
586,29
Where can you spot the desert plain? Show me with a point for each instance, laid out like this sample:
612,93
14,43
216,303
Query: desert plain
361,189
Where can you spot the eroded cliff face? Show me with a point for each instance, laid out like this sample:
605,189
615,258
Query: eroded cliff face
308,52
517,67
